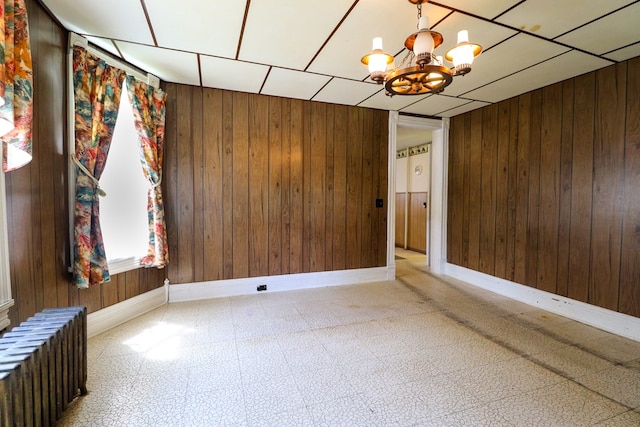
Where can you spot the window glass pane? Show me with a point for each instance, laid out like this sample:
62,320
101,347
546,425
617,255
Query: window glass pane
123,212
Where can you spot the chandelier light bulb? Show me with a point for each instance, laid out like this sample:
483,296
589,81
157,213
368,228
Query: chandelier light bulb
378,60
424,40
463,53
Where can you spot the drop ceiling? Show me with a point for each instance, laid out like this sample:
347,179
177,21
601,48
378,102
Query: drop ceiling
311,50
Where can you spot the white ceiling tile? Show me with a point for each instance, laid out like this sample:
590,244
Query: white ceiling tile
103,18
473,105
607,34
281,37
381,101
534,16
341,56
432,105
169,65
625,53
346,92
293,84
210,27
559,68
105,44
293,38
513,55
227,74
486,8
480,32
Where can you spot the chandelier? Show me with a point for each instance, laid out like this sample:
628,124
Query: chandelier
420,71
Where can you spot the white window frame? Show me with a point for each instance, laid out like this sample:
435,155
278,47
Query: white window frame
6,302
118,265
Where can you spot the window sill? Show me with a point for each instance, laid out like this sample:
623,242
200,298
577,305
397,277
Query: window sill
123,265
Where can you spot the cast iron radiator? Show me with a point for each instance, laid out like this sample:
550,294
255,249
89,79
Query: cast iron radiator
43,367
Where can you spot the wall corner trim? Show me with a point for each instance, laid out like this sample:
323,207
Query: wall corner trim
114,315
285,282
598,317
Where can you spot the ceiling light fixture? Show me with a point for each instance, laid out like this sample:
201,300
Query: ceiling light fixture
420,71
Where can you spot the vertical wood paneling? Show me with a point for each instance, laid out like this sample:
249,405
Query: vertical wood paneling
487,235
354,190
380,144
340,187
275,186
512,191
286,185
227,185
533,220
329,188
212,188
502,189
550,152
522,198
170,174
198,186
566,172
318,150
475,188
240,206
368,204
417,222
455,192
566,154
629,301
582,190
466,189
297,188
258,186
185,194
608,175
401,217
307,205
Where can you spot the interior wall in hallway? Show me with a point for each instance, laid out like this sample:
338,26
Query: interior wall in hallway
37,198
543,189
260,185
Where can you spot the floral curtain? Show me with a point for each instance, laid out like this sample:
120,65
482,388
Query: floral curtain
97,89
148,104
16,85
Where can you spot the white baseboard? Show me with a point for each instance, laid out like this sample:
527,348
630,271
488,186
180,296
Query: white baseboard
601,318
284,282
114,315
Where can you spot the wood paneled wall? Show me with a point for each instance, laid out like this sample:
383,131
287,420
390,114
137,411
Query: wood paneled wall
543,189
417,222
260,185
37,202
401,216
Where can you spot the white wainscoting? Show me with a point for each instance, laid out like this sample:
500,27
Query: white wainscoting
601,318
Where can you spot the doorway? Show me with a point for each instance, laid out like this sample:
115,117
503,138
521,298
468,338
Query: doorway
420,205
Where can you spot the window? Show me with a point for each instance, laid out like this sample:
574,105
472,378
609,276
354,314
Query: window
5,280
123,212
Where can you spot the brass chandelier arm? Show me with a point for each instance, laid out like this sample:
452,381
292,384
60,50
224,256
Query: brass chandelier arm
418,80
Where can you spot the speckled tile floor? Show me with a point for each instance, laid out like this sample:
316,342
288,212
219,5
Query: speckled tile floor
412,352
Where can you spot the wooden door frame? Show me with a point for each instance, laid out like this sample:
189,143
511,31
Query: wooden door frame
436,244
